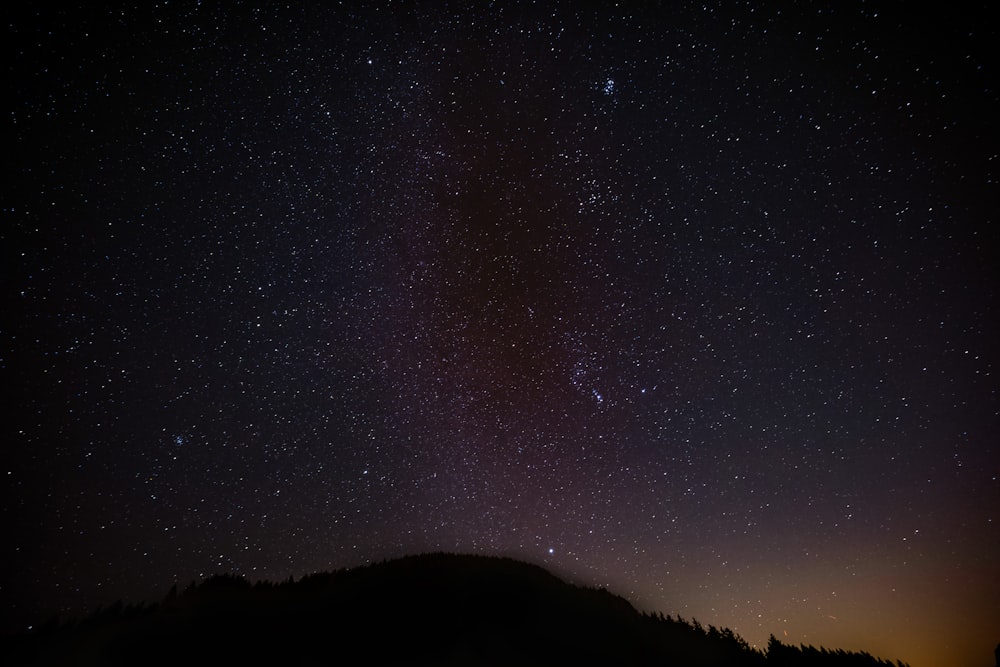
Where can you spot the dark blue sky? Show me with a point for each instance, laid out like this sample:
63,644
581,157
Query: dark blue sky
691,302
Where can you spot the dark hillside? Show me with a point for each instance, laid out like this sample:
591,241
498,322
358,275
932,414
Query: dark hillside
422,610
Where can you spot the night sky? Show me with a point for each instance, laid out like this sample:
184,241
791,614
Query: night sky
694,302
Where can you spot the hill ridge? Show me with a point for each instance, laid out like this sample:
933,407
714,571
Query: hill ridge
427,609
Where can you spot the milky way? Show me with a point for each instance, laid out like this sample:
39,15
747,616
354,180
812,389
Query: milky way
694,303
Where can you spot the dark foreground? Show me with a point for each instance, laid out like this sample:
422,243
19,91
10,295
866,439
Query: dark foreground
423,610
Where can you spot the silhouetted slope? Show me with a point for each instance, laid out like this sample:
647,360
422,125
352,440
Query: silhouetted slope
422,610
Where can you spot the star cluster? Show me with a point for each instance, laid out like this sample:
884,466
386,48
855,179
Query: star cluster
694,302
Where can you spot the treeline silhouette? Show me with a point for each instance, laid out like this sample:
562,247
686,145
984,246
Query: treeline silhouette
436,609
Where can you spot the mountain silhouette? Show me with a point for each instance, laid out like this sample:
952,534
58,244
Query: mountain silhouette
435,609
